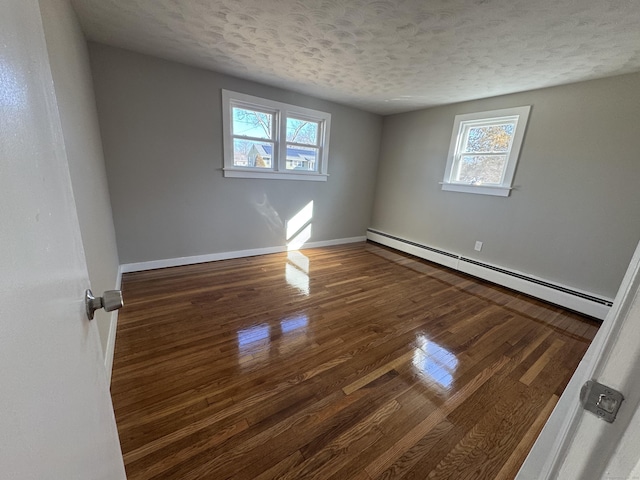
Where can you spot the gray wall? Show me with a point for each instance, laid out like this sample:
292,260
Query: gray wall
69,60
162,135
574,217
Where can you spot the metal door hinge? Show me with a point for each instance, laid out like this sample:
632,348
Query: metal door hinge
602,400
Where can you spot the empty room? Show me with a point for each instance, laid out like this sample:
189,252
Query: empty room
334,239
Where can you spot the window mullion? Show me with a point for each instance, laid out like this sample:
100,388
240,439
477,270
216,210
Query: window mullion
304,145
485,153
321,142
253,139
282,141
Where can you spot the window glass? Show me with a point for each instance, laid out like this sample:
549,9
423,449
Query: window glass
250,153
252,123
491,138
302,158
484,151
302,131
481,169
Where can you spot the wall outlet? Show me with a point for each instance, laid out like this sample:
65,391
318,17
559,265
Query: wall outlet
478,246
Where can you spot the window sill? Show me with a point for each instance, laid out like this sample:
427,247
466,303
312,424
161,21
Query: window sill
271,175
477,189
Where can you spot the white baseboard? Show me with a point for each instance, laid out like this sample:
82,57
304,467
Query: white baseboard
440,257
565,296
212,257
111,339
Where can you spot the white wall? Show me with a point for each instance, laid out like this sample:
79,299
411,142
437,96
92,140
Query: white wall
69,60
574,217
162,134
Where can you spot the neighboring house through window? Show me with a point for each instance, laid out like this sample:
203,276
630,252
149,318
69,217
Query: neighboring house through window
484,151
268,139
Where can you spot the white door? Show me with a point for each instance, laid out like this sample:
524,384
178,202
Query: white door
56,418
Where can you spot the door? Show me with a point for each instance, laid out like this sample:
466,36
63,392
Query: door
56,418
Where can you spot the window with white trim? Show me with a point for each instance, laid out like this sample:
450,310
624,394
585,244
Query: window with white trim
267,139
484,151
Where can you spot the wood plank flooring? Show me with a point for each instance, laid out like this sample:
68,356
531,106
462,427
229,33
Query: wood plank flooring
347,362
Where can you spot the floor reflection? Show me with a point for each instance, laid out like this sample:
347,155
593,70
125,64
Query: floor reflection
294,333
435,362
296,271
293,324
248,338
299,260
254,344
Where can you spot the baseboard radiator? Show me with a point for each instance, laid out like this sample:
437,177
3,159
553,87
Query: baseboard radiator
562,295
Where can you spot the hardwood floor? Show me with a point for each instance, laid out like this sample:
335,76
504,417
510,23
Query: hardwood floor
344,362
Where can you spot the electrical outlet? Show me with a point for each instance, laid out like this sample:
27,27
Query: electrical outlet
478,246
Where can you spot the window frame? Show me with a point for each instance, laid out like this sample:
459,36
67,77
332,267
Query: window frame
281,112
462,124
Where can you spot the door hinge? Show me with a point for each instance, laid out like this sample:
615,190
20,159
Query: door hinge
601,400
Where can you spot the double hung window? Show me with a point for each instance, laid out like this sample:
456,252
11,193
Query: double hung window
268,139
484,151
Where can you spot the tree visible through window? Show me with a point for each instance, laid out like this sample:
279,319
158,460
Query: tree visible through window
251,129
484,151
303,146
271,137
484,155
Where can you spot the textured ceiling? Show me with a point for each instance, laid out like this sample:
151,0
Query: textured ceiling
384,56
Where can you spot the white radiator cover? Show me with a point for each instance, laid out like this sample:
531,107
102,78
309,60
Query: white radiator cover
562,295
